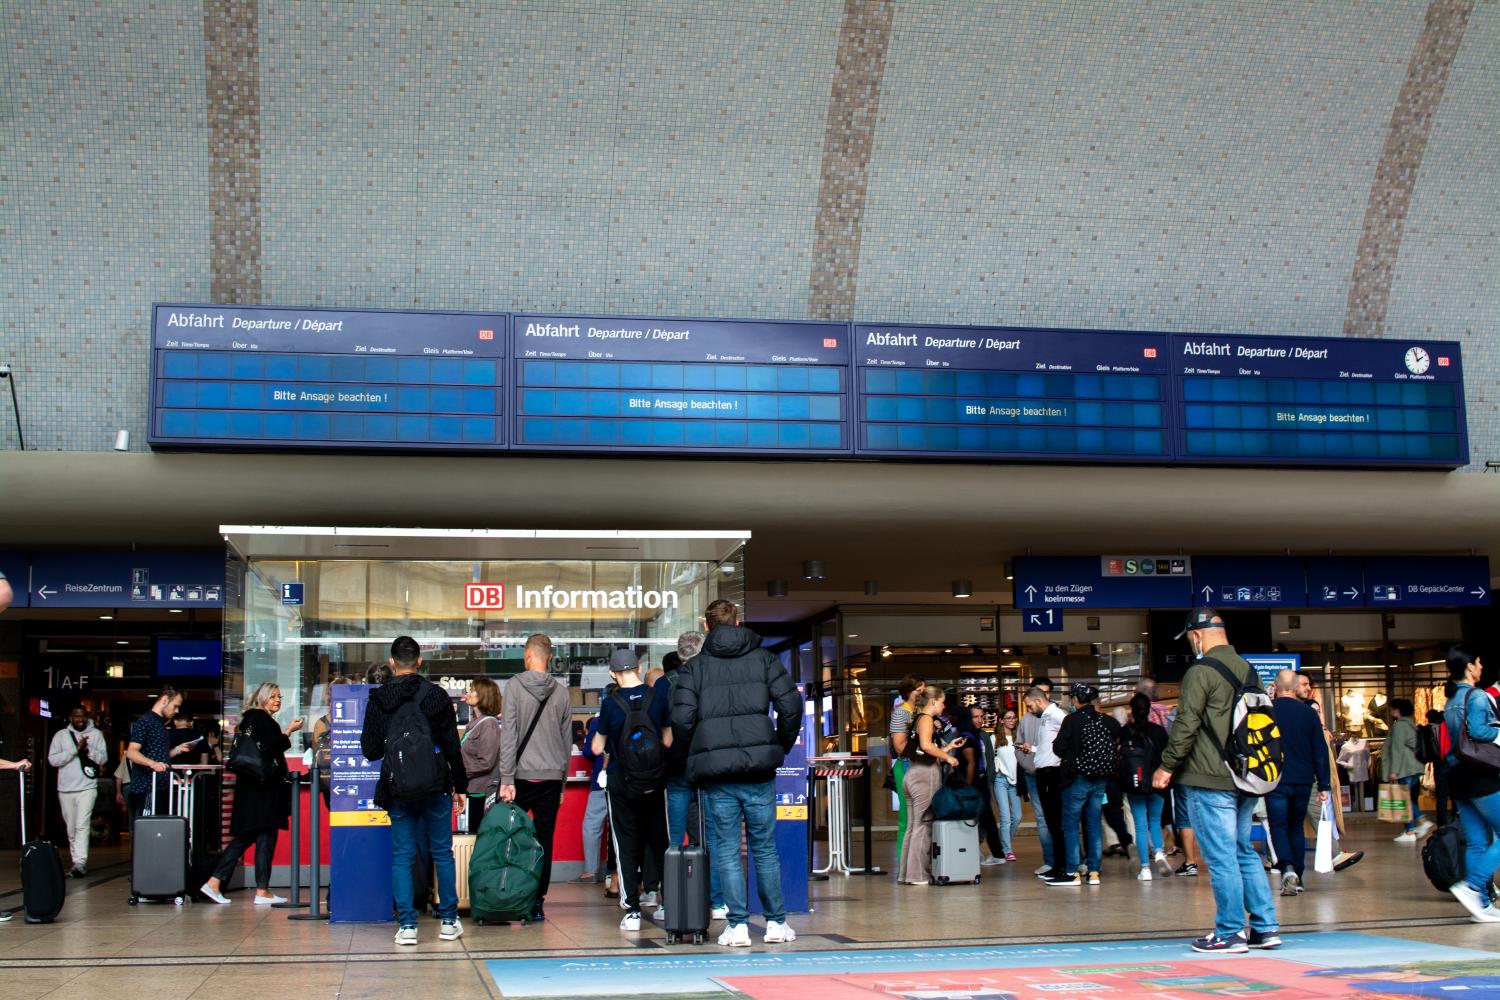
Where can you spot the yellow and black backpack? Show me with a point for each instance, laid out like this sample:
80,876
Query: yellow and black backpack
1253,751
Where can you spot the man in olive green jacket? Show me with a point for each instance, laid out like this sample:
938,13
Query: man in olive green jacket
1401,767
1221,814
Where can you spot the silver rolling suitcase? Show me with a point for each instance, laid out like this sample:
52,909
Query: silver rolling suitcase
955,851
159,853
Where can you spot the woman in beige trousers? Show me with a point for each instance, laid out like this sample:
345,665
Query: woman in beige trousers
923,779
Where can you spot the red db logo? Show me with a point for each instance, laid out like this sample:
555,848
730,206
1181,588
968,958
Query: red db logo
830,342
1150,352
1443,362
484,596
486,334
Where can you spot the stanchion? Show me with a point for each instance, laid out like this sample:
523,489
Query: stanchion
294,899
813,874
834,769
869,868
315,842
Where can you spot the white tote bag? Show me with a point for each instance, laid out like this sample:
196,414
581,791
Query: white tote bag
1328,832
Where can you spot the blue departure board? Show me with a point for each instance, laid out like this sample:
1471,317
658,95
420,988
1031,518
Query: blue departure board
1319,401
996,392
248,376
681,385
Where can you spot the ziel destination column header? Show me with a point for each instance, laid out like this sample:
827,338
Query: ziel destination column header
1319,401
682,385
346,378
996,392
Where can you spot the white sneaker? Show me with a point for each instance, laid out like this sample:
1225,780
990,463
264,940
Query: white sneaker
779,932
217,897
1144,875
1160,860
631,921
267,900
719,913
406,935
659,914
452,930
993,859
648,899
1424,828
1469,897
1042,870
1489,915
1409,837
736,936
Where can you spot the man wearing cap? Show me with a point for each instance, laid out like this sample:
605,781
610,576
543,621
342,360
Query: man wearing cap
1221,814
1088,744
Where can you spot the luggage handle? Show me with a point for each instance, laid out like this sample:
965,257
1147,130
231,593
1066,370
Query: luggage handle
21,803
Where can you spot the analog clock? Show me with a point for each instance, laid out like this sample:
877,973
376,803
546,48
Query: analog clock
1417,360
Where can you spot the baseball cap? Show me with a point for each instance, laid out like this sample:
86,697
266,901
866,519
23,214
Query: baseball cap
1197,618
624,659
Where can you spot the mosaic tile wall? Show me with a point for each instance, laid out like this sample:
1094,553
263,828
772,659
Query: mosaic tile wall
1310,168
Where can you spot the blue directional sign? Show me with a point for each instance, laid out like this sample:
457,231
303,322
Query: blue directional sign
1250,581
1320,401
17,569
589,383
1268,665
1335,582
1080,582
249,376
996,392
1428,581
153,579
1041,620
291,594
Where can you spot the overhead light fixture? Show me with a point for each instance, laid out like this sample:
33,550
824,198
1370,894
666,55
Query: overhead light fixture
963,588
947,651
813,569
727,569
852,635
174,611
886,652
979,668
122,642
775,588
1009,573
106,618
871,588
1006,650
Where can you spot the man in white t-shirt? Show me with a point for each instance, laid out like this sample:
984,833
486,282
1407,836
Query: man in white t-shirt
1048,770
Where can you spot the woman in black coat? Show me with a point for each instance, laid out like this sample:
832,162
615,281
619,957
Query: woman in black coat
261,808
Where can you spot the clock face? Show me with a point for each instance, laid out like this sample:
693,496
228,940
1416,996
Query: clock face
1417,361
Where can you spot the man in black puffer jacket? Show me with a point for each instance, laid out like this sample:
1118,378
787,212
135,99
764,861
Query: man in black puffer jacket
721,704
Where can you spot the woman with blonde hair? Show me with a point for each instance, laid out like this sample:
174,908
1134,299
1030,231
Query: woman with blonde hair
261,806
481,745
923,779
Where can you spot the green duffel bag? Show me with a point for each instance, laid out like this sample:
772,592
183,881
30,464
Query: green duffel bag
506,867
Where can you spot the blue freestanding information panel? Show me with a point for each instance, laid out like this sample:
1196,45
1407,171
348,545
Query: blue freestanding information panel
248,376
991,392
1319,401
359,835
586,383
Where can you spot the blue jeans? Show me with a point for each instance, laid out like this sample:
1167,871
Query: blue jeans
1222,821
1286,811
1008,797
1081,801
431,821
752,808
1413,783
1145,810
1042,832
1480,819
679,809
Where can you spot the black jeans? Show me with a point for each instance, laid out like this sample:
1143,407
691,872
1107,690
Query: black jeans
1114,813
1441,793
1049,790
476,813
987,825
542,799
638,824
265,851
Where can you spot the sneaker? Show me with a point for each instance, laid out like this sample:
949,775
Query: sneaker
1161,862
1212,944
648,899
1344,859
537,913
1063,880
406,935
267,900
631,921
1290,884
1424,828
1469,897
1489,915
1093,878
6,915
719,913
1144,875
778,932
1010,858
1043,871
736,936
992,860
659,914
1189,871
451,930
76,872
1116,851
1264,939
1049,874
217,897
1405,838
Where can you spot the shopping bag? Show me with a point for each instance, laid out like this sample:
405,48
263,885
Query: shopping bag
1394,804
1327,831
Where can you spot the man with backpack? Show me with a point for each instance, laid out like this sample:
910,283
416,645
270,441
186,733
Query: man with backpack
536,741
411,729
1305,763
1088,744
1223,740
634,731
721,708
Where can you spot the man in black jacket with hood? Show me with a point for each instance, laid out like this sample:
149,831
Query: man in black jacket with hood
720,711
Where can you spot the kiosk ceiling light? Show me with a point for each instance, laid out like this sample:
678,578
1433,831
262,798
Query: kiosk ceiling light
775,588
871,588
963,588
106,618
813,569
174,611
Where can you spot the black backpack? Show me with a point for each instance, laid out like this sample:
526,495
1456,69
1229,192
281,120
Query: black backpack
638,751
1135,761
414,768
1427,745
1098,754
1443,857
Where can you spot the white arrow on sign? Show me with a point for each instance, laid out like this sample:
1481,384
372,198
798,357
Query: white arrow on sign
43,592
1030,591
1208,592
1351,593
1479,592
1036,619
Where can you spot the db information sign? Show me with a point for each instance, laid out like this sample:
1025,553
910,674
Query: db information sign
484,596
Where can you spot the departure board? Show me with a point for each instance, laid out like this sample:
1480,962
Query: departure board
1319,401
997,392
246,376
680,385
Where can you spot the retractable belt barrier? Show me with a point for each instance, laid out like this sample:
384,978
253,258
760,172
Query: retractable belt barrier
836,770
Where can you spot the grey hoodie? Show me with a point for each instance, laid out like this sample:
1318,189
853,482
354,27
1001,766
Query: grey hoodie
551,744
62,755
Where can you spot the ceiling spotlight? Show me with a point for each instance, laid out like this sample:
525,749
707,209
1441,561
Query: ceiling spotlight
963,588
106,618
813,569
871,588
174,611
886,652
775,588
122,642
1009,573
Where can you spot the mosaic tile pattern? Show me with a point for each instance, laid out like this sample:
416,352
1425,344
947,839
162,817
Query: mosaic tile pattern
231,47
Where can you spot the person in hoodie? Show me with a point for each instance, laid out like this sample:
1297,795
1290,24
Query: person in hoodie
531,776
429,822
721,707
79,754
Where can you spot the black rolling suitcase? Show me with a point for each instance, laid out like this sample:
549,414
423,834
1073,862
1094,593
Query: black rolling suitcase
685,890
159,855
43,887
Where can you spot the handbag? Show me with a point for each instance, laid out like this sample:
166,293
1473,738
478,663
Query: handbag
248,760
1323,856
1472,751
1394,803
955,800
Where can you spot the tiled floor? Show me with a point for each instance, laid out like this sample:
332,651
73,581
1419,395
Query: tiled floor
101,946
